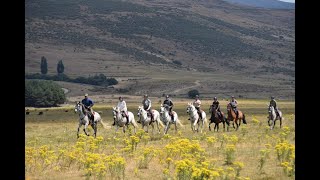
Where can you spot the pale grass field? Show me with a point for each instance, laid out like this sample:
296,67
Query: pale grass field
57,128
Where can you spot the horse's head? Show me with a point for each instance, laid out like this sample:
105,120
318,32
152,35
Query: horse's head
190,107
115,111
212,109
228,107
162,109
139,111
270,109
77,107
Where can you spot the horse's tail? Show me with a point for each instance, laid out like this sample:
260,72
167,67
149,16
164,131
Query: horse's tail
103,124
134,123
178,121
159,121
244,119
226,120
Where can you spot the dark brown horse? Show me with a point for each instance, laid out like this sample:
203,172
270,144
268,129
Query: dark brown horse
216,119
232,116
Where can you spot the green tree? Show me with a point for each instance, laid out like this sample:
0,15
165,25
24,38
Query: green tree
44,65
42,93
60,67
193,93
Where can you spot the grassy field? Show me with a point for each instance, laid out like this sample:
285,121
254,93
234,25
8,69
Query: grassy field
252,152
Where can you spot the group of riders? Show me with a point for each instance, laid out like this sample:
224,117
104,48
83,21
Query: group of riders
168,104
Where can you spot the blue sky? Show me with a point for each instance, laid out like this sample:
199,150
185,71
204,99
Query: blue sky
292,1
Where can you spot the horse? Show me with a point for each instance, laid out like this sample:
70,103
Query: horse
166,119
145,120
273,117
232,116
120,121
195,119
216,119
84,119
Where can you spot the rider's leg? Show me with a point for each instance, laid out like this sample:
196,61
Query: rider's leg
126,115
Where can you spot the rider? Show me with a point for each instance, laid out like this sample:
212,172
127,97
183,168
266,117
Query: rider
147,106
273,103
216,105
234,104
168,105
122,105
88,103
197,104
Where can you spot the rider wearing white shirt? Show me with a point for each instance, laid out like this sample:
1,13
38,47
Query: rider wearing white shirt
197,104
122,105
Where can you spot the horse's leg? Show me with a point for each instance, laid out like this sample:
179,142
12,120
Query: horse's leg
158,124
78,130
94,130
85,128
166,128
210,126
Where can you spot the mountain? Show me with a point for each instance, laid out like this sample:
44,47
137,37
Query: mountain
273,4
148,45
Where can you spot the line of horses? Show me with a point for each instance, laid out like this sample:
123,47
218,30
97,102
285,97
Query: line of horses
163,119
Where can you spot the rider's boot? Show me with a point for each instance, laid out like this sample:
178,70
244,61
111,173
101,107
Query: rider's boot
127,122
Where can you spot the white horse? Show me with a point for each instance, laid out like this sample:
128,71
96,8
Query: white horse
273,117
166,118
145,120
120,121
84,119
195,119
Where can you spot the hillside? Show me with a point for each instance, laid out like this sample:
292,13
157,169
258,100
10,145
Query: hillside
148,45
274,4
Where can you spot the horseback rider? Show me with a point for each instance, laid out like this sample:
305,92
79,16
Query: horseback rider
197,104
273,103
168,104
216,105
147,106
234,104
122,105
88,103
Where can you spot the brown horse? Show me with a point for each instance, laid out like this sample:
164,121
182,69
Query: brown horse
232,116
216,119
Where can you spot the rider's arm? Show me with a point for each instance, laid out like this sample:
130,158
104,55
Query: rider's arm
149,105
124,106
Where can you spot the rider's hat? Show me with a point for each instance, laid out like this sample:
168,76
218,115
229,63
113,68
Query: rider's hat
86,95
197,96
232,96
215,98
146,95
120,97
167,96
272,97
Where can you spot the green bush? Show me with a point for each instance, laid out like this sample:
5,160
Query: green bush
193,93
42,93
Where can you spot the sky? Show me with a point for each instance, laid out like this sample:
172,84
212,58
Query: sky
292,1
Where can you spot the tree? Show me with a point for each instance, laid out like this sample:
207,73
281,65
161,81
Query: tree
44,65
60,67
42,93
193,93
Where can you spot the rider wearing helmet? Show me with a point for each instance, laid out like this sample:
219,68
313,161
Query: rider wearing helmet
147,105
197,104
88,103
273,103
234,104
167,103
216,105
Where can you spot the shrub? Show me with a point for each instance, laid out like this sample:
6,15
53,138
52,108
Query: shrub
41,93
193,93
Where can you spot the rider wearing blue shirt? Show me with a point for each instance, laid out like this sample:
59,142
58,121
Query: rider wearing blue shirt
88,103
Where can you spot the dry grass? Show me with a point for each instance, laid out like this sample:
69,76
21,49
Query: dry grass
57,129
